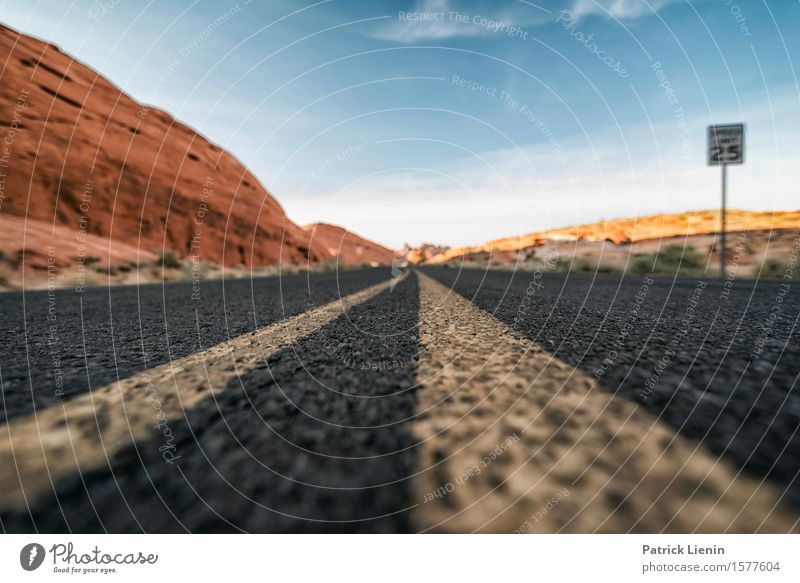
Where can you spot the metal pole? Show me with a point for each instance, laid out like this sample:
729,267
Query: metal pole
722,220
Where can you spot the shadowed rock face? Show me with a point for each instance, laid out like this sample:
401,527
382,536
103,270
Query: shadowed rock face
78,152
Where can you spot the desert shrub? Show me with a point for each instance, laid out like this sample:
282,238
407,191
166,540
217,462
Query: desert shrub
5,276
606,268
671,260
563,265
774,268
583,265
127,267
642,264
169,260
105,269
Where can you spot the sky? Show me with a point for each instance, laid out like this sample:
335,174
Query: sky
458,122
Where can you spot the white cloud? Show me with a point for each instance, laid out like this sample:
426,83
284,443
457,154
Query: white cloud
623,9
439,19
517,192
409,31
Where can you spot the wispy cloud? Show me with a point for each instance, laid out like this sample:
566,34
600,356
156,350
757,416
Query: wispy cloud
439,19
432,20
430,28
513,191
623,9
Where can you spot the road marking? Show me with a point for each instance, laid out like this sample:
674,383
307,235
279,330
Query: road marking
83,433
515,440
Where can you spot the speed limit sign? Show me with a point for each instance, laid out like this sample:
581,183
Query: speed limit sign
726,144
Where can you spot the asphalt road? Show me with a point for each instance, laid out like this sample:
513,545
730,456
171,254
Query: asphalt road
718,363
446,401
59,344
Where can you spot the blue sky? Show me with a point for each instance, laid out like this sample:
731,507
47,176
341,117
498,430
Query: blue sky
457,121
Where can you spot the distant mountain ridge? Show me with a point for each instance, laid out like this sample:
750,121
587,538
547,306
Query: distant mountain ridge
633,230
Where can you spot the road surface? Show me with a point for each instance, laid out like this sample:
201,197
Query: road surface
441,401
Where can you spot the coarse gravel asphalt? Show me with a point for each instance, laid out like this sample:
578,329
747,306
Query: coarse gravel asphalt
714,386
319,437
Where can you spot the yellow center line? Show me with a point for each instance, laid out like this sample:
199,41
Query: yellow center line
515,440
81,434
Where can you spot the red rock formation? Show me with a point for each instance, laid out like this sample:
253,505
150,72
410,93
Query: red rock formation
348,248
76,152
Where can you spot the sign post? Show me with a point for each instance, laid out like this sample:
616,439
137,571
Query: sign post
725,146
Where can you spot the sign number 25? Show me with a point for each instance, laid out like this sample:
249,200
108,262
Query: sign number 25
725,144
